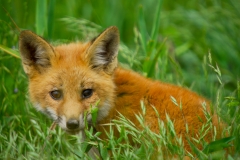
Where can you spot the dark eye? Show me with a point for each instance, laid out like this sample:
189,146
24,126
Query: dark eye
56,94
86,93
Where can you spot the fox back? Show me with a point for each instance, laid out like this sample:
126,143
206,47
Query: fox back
66,81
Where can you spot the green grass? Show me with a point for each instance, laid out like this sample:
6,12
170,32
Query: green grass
194,44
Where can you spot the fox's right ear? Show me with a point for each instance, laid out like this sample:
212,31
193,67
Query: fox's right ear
35,52
102,54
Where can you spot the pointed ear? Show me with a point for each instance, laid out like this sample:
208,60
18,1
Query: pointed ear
35,52
102,54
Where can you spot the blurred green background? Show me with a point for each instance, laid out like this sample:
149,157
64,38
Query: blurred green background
192,28
181,33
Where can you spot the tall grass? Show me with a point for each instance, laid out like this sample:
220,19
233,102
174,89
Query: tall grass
160,39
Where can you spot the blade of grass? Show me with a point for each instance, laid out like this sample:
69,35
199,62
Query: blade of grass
218,145
156,23
143,30
50,17
151,70
10,51
41,16
198,152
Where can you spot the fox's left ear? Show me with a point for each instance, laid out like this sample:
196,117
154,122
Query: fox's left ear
36,53
102,54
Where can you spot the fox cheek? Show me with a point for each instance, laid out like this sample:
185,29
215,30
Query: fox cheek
62,122
47,111
39,107
52,113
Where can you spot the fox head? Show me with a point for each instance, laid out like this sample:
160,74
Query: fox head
66,80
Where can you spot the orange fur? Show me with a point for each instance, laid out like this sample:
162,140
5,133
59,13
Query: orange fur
74,68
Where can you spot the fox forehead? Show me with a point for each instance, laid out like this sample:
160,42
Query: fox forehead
70,55
68,67
69,78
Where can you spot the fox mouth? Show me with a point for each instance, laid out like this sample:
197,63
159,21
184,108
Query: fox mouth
72,126
73,131
62,124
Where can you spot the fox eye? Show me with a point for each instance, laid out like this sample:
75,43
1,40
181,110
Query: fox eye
56,94
87,93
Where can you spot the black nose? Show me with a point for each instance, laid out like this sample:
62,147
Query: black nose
72,124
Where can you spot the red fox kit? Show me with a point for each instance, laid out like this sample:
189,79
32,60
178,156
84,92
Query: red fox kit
65,80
